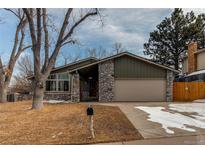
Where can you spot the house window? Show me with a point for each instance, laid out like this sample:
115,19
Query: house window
58,82
50,85
52,76
62,76
63,86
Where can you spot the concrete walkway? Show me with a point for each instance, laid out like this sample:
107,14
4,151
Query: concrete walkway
139,120
153,132
181,140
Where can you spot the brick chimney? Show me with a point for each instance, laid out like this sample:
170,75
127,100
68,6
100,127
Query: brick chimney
192,59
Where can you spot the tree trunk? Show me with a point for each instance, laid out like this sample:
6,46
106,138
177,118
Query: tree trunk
176,64
3,94
176,67
38,97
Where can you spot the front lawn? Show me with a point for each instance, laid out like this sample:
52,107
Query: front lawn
62,124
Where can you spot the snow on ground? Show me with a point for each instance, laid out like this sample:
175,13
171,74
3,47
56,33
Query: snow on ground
199,101
172,118
54,101
198,108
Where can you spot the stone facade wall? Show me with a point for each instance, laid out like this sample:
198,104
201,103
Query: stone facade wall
57,96
169,89
75,87
106,81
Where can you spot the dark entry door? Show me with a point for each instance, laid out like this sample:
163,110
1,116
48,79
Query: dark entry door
92,88
89,90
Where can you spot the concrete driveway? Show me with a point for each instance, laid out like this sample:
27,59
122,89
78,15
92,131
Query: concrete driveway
162,120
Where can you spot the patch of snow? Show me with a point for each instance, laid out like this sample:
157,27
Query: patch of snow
198,117
198,108
172,119
54,101
194,108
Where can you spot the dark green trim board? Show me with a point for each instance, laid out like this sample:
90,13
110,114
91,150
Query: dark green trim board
129,67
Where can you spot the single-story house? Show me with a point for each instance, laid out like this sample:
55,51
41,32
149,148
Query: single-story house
193,64
122,77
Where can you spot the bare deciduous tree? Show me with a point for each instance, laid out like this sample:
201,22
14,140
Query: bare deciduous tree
6,70
39,34
68,57
99,52
92,52
25,69
118,47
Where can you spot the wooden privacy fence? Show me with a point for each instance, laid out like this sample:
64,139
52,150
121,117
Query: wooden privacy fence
188,91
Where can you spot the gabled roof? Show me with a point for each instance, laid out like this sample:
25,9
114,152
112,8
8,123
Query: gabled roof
128,54
75,63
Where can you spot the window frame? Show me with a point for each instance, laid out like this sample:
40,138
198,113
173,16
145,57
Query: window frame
57,80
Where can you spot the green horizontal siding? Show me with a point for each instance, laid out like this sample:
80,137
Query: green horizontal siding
129,67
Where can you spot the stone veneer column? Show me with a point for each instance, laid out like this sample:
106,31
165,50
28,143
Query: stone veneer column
75,87
106,81
169,90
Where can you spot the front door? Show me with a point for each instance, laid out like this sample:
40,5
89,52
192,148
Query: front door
92,88
89,89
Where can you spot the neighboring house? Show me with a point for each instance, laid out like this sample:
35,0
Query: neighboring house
193,65
14,95
121,77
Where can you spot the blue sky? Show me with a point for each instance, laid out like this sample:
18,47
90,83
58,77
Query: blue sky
131,27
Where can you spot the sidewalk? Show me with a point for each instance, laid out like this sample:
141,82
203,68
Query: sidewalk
181,140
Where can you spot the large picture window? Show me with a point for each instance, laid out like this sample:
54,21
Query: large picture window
58,82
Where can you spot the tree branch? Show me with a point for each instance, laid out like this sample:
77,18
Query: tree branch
20,44
78,23
16,40
22,50
16,47
26,47
58,43
12,59
62,39
46,41
10,10
38,29
1,67
29,15
69,42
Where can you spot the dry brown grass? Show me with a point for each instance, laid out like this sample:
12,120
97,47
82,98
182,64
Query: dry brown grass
62,124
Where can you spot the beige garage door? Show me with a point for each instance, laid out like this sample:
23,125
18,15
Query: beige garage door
140,90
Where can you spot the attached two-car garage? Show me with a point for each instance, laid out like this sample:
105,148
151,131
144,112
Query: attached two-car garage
139,80
140,90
